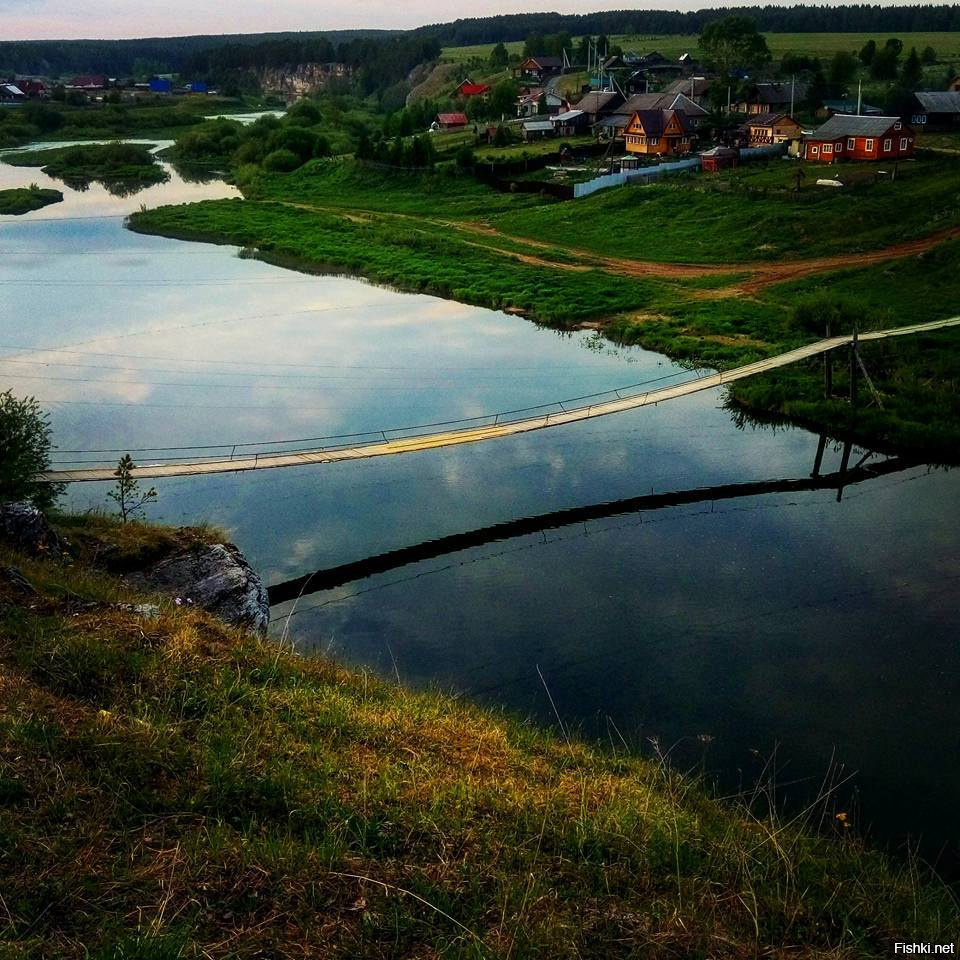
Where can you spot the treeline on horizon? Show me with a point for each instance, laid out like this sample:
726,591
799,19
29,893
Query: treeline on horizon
385,55
804,18
118,58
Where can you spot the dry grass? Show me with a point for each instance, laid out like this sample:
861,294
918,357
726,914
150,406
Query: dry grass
172,788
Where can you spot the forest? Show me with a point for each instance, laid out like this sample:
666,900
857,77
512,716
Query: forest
394,53
855,18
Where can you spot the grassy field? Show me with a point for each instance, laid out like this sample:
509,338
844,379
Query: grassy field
173,789
24,199
947,45
756,217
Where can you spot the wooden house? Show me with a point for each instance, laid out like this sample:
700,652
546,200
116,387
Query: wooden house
859,138
936,110
538,68
449,121
772,98
568,123
537,130
770,128
665,101
467,88
529,103
659,132
599,104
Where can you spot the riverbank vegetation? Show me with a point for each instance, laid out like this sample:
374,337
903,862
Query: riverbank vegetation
174,788
108,162
22,200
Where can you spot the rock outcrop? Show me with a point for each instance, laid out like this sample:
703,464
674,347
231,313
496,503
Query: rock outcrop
215,577
27,528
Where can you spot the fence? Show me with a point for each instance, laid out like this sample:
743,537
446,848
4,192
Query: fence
646,174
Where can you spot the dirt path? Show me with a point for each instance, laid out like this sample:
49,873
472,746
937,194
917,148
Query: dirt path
759,274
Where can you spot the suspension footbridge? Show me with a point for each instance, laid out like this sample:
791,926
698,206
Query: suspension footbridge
379,443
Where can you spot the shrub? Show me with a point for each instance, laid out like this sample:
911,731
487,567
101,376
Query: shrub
281,161
24,451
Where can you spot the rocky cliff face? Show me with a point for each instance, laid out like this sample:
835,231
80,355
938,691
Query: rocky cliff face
302,79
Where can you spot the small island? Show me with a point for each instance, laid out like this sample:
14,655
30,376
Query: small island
22,200
127,163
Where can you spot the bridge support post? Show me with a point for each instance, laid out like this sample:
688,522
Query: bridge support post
853,369
828,371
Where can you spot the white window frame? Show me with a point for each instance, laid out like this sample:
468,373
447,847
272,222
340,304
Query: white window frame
814,149
869,146
897,125
838,148
887,144
903,143
851,143
828,148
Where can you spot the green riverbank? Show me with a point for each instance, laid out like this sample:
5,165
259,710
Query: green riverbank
174,788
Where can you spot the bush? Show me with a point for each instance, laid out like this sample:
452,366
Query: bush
281,161
24,451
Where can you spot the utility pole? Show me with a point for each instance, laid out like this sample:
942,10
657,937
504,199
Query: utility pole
793,83
859,95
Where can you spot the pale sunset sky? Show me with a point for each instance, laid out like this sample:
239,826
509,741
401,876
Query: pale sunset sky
110,19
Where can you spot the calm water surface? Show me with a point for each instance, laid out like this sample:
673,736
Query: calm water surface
725,631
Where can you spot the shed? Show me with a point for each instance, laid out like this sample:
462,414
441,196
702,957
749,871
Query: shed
719,158
537,129
569,122
160,85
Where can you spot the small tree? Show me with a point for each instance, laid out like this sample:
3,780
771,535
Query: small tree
499,57
126,494
24,451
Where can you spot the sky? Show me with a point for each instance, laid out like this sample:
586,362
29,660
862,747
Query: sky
111,19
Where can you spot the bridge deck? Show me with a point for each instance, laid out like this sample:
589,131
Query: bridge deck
490,431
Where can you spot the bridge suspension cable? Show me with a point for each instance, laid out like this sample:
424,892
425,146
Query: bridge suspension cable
444,433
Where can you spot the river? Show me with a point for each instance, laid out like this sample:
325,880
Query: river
782,637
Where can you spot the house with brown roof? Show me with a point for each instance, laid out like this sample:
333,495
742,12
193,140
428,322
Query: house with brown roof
859,138
770,128
538,68
449,121
659,132
665,101
599,103
772,98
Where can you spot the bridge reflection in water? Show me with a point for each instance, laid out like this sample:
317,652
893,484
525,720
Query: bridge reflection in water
331,577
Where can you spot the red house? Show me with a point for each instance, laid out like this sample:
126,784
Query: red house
467,88
859,138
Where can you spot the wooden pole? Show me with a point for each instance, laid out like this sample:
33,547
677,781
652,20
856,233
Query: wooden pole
853,369
828,370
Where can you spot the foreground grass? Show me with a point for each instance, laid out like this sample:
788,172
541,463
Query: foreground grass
24,199
171,788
